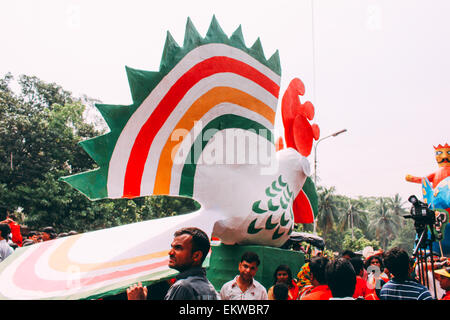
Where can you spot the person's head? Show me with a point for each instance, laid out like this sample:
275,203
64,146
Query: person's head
374,261
358,265
396,261
48,233
280,291
5,230
33,235
248,266
341,277
348,254
283,274
190,247
443,276
317,269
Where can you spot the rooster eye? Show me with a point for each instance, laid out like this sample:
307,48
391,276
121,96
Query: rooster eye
438,153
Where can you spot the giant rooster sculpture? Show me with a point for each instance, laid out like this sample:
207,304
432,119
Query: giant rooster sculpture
200,127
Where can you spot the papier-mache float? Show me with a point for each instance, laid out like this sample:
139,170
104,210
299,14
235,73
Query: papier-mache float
200,127
436,194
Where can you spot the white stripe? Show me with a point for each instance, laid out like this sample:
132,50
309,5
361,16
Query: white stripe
122,150
220,109
163,135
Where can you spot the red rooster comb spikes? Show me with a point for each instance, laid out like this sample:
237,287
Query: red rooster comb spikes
298,132
441,146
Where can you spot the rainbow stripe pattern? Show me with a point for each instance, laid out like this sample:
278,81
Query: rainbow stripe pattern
214,81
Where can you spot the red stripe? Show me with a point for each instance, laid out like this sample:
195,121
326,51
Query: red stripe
303,212
208,67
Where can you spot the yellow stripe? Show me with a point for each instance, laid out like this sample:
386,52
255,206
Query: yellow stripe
60,261
200,107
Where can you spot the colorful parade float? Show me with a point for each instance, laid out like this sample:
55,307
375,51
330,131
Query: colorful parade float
432,214
201,127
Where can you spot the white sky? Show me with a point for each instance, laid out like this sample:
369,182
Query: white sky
381,68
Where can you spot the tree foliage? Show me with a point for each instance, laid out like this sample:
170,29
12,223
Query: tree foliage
40,128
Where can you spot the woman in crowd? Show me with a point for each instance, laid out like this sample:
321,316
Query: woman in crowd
283,274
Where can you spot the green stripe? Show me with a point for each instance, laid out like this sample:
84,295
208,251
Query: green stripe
227,121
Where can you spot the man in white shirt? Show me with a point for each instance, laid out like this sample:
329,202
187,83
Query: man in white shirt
244,286
5,248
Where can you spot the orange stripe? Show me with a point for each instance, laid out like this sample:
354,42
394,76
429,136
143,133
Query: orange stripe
200,107
60,261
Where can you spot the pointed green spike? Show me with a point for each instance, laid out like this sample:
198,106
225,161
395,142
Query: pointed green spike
274,63
257,49
97,148
91,183
191,36
116,116
215,32
171,48
237,38
141,83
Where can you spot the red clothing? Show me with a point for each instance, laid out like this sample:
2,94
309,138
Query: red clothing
371,296
292,293
321,292
447,296
15,231
361,289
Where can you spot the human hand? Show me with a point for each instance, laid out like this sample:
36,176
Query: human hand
137,292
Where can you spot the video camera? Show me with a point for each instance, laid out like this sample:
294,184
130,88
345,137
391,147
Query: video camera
420,212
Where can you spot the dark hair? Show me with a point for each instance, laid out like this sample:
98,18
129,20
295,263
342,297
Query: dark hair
369,261
358,264
341,277
250,257
32,233
396,261
283,267
349,253
200,240
5,230
317,267
280,291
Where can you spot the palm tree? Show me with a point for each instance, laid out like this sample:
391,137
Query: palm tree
396,205
328,212
355,215
385,222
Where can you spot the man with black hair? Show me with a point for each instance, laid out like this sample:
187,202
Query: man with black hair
401,287
190,247
341,279
244,286
320,290
5,248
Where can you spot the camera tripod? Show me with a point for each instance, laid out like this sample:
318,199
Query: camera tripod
424,242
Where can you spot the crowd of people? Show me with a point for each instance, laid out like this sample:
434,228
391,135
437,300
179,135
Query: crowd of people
391,275
12,237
